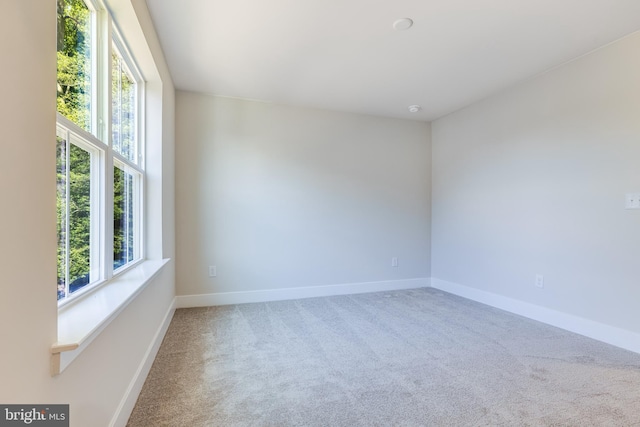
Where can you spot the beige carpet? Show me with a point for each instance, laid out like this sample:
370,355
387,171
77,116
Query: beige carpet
407,358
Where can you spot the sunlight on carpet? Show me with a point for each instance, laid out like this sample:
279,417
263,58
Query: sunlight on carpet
419,357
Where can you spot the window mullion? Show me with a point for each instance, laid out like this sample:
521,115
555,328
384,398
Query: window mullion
120,158
102,76
97,216
127,206
96,87
119,104
108,217
138,206
67,232
108,173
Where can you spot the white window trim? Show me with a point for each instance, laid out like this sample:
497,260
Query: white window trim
102,235
75,135
138,219
99,141
132,67
80,322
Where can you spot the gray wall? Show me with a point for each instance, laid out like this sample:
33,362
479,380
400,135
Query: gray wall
533,181
286,197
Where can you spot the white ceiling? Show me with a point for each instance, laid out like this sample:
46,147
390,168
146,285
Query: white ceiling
345,55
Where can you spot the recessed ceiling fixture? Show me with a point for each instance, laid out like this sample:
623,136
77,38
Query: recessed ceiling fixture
402,24
414,108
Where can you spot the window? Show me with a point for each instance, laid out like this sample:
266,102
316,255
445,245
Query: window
126,230
123,101
127,173
100,174
76,29
77,178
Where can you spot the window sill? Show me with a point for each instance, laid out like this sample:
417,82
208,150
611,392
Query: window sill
81,322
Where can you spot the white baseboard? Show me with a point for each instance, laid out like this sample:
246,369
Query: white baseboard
130,397
226,298
599,331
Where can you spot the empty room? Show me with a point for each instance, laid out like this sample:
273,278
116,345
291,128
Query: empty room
322,213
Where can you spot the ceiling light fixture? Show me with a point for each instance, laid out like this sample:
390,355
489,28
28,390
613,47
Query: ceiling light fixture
402,24
414,108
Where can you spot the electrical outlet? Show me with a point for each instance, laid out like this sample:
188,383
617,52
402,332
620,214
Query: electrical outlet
394,261
212,271
539,281
632,201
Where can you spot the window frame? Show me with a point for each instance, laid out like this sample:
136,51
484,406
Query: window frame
132,69
138,167
75,135
138,241
99,142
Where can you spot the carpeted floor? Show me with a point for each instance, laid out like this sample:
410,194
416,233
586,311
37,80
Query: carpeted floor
406,358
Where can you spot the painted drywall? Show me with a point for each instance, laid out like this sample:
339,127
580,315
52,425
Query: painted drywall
96,383
533,181
27,184
160,107
285,197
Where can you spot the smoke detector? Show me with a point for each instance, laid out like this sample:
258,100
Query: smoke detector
402,24
414,108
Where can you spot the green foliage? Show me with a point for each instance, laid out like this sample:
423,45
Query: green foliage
79,212
123,134
74,95
123,109
79,221
122,217
61,209
73,163
74,62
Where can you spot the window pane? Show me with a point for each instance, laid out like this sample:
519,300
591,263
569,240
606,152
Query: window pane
124,118
61,204
124,215
79,243
74,62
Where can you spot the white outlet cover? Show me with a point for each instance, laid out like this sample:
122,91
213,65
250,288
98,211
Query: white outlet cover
632,201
